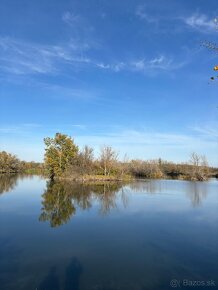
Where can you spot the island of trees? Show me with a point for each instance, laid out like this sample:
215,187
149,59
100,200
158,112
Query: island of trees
65,160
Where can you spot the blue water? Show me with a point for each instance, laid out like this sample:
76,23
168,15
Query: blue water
135,236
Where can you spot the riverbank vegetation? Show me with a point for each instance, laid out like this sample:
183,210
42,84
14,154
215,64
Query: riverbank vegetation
10,164
65,160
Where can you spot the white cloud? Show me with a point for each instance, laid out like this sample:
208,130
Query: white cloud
144,15
201,22
139,64
156,64
158,61
118,66
165,63
20,57
103,66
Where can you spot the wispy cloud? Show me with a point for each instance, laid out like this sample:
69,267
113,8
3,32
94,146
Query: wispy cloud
142,13
200,22
197,21
153,144
80,30
21,57
71,19
117,66
209,132
143,137
156,64
160,63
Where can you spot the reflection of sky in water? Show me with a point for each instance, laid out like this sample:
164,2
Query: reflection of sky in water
139,236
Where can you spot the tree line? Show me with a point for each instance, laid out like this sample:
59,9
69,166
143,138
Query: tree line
64,159
9,164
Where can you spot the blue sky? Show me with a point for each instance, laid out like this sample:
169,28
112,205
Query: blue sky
130,74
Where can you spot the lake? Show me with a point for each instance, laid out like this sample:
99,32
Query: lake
154,234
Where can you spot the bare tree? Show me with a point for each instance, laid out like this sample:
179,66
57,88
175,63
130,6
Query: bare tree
108,159
82,164
199,167
87,157
123,166
148,169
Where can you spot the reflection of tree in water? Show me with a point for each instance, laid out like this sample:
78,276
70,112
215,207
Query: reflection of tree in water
61,199
107,197
147,186
197,191
8,182
57,205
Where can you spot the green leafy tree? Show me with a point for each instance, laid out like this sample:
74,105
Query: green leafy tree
59,153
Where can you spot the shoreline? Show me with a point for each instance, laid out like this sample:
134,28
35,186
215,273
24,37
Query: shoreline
102,178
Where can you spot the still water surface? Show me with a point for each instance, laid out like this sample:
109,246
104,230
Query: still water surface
107,237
